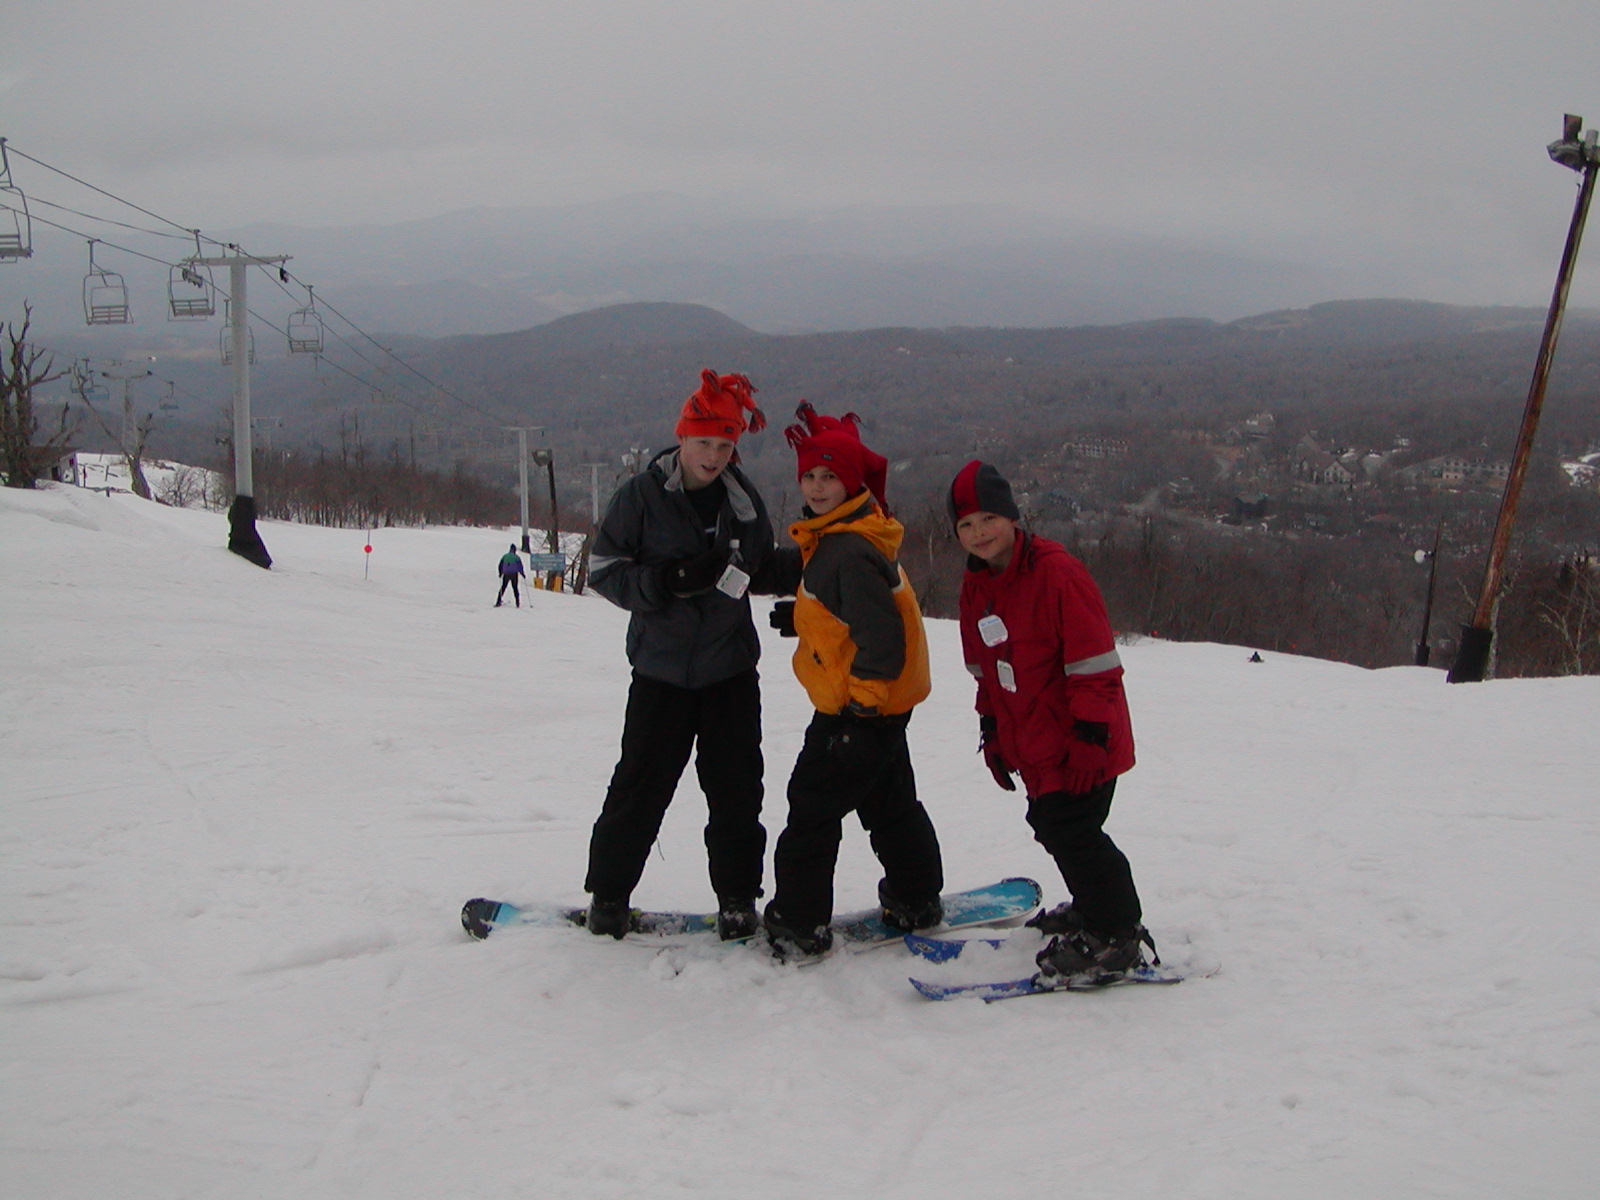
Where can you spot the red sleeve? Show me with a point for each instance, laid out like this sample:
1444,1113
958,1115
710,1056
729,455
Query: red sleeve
1088,648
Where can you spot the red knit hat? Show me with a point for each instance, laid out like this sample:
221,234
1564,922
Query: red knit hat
717,409
835,443
979,487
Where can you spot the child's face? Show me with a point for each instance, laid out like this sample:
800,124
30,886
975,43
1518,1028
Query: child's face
988,536
703,459
824,491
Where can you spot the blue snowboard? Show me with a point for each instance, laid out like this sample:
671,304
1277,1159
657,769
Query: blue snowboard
996,904
940,950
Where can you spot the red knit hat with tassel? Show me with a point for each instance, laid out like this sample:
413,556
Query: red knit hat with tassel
718,408
835,443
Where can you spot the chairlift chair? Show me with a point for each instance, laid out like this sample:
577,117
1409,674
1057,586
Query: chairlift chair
191,293
226,340
105,295
305,328
170,403
16,226
83,382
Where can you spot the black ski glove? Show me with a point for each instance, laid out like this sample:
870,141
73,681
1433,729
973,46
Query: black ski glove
691,576
782,618
989,746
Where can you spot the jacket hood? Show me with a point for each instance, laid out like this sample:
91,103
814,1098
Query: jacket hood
666,465
860,515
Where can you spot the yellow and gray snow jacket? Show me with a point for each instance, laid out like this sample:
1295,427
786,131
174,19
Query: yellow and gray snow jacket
860,629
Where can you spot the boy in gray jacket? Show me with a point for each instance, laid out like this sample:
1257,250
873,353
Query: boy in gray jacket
678,548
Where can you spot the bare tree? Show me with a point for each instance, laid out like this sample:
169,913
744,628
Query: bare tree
22,455
183,487
130,441
1571,612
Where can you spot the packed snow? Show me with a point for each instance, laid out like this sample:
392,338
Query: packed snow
242,809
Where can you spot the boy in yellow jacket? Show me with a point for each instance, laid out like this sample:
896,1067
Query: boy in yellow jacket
863,659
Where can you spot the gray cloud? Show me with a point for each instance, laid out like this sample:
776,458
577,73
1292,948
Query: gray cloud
1399,144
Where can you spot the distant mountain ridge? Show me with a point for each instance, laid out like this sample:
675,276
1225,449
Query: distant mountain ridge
604,381
642,325
769,267
622,326
773,269
607,376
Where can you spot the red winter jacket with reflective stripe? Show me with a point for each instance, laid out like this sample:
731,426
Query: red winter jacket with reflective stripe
1056,662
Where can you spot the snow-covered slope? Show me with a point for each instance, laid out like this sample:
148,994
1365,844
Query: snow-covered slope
241,809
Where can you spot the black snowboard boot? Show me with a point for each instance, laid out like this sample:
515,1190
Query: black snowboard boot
608,917
736,919
790,942
1063,918
908,917
1084,956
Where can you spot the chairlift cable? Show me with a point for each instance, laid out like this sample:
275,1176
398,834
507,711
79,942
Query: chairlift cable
89,237
92,188
439,387
110,221
323,359
195,233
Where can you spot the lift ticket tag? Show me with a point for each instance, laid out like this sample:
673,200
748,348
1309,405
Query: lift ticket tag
734,582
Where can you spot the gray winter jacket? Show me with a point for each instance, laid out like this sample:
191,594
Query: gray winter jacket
692,641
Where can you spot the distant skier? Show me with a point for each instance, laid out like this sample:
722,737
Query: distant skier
1051,709
679,544
863,659
510,573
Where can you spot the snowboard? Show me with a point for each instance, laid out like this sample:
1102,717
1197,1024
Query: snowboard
1007,900
941,950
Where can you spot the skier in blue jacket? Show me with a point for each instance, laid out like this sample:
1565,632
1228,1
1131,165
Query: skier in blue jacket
510,572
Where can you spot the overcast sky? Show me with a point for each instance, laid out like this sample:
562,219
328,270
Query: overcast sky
1404,138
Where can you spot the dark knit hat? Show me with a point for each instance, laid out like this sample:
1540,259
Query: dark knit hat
835,443
978,487
717,409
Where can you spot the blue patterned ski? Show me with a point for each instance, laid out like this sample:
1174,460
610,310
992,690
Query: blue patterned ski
942,950
996,904
1010,989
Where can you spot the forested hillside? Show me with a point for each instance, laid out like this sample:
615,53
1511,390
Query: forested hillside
1266,481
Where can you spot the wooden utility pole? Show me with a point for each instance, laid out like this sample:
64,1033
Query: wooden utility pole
543,457
1580,152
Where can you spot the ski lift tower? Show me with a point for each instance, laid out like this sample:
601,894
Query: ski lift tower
243,539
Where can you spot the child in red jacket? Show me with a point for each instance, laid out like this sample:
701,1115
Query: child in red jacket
1051,709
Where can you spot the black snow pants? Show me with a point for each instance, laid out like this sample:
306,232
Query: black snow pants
1069,826
721,723
858,765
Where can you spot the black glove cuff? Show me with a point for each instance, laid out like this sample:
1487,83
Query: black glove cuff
1096,733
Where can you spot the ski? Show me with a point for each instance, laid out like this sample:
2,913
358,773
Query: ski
944,949
1033,985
